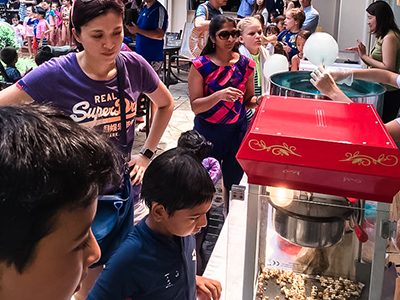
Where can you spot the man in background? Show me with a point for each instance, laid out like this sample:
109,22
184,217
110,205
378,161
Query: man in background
206,11
312,16
245,8
150,31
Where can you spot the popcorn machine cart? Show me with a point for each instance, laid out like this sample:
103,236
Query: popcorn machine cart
309,163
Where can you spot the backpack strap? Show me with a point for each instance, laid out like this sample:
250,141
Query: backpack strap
121,95
206,8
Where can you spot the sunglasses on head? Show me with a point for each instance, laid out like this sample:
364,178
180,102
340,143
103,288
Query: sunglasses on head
224,34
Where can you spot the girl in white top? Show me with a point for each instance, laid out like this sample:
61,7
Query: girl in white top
251,40
251,46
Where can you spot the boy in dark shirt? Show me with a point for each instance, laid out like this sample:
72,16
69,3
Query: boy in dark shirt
9,56
158,259
51,172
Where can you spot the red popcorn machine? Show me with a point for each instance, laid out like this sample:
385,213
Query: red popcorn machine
321,175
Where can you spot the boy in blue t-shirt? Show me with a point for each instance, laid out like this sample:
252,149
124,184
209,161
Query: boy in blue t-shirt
158,259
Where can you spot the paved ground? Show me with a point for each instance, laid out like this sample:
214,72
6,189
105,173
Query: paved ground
182,120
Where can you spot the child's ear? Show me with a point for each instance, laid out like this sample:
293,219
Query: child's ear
241,40
158,212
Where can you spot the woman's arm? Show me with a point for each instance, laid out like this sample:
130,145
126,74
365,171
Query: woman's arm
393,127
324,82
14,96
164,101
377,75
389,50
198,102
374,75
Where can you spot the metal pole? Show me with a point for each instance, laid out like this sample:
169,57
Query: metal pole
249,273
378,262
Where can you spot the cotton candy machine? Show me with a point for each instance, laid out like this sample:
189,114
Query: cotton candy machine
305,161
297,84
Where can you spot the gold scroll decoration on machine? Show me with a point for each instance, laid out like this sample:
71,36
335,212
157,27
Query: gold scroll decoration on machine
364,160
278,150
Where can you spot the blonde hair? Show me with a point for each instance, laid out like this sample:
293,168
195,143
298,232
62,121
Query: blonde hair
243,23
298,15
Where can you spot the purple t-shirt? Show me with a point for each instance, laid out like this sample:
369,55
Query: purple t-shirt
62,83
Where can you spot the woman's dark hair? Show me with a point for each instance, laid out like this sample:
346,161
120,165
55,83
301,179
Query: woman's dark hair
385,20
48,164
215,25
274,14
83,12
176,180
194,142
257,9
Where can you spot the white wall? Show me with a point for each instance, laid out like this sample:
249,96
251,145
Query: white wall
353,23
328,12
177,14
396,9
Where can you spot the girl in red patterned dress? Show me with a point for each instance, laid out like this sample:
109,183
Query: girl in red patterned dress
221,86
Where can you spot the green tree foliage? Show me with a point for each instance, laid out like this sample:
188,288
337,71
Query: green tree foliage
7,36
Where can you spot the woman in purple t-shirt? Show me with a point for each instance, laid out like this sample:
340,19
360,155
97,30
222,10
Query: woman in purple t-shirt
84,86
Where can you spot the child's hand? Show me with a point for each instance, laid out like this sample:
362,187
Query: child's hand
208,289
138,165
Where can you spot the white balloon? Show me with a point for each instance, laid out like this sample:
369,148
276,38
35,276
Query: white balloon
321,49
276,63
